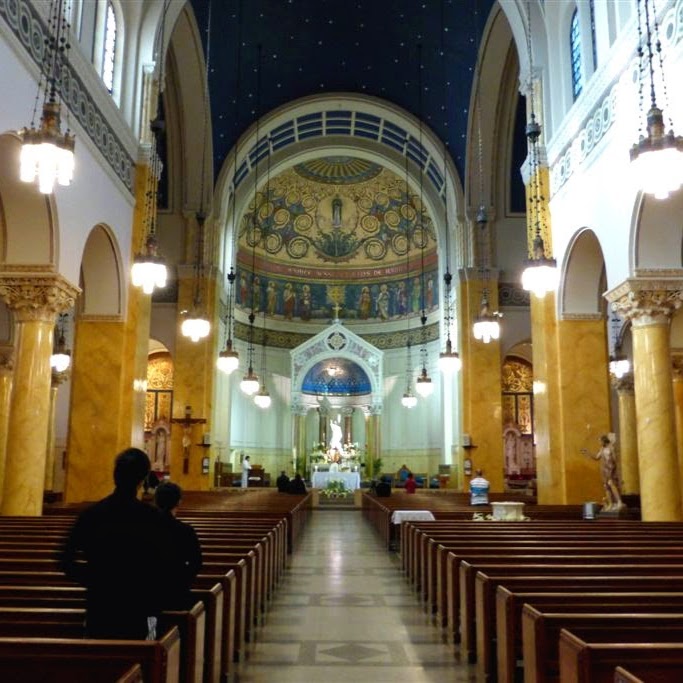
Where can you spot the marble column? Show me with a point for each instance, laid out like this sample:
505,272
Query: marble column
35,299
6,363
299,441
373,446
347,414
482,413
677,369
627,443
57,379
649,305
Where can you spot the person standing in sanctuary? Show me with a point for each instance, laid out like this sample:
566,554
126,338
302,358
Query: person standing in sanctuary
117,549
184,553
246,466
410,483
479,489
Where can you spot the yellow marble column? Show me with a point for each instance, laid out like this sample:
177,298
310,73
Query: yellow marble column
57,379
35,299
677,369
6,364
373,440
550,475
649,305
481,381
627,444
583,412
194,367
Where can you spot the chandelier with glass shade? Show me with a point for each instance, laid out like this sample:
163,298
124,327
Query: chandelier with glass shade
619,364
409,400
228,358
540,275
47,154
657,157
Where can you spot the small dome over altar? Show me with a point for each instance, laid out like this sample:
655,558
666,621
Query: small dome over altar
338,377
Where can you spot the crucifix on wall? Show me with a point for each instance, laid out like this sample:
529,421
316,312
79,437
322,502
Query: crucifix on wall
187,423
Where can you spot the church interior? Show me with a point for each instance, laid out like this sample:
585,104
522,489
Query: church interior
349,241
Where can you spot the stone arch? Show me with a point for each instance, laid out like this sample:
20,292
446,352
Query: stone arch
29,231
347,123
102,278
583,278
657,235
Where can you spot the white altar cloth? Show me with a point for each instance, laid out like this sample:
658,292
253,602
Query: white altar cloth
351,480
399,516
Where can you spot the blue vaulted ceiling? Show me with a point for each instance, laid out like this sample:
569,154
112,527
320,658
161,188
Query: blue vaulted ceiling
360,46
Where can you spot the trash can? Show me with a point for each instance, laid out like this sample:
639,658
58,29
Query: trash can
590,509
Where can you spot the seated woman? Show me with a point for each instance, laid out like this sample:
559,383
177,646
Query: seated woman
403,474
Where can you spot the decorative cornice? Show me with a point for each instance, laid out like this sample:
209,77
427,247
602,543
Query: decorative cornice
28,27
37,296
95,318
623,385
582,317
646,302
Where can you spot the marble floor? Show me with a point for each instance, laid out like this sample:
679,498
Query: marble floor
344,612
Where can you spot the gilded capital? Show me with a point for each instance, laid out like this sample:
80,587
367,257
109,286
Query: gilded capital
646,302
623,384
37,296
59,377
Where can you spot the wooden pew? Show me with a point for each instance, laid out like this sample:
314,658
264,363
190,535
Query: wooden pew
509,606
568,567
541,633
68,660
132,675
586,662
53,622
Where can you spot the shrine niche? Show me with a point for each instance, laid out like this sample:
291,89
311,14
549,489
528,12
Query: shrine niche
158,410
518,423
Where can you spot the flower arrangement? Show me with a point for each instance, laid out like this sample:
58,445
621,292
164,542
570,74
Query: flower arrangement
335,489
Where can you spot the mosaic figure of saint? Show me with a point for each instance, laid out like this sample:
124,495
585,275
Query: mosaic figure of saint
306,303
271,298
383,302
364,304
288,301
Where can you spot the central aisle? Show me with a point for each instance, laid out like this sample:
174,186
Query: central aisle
344,612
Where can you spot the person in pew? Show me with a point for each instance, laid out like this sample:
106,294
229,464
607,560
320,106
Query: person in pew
479,489
185,553
117,549
297,485
282,483
410,484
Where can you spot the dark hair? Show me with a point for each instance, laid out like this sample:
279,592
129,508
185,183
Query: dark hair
479,473
130,468
167,496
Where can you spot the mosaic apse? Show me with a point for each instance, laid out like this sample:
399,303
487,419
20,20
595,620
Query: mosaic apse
336,235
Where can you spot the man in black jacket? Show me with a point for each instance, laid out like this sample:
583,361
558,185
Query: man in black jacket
116,549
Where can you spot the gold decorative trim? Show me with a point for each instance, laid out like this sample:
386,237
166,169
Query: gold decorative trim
27,268
646,302
35,296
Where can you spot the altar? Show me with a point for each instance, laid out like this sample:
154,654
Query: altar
351,480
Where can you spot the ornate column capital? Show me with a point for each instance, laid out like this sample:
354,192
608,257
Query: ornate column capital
624,384
59,377
37,296
299,409
6,361
646,301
